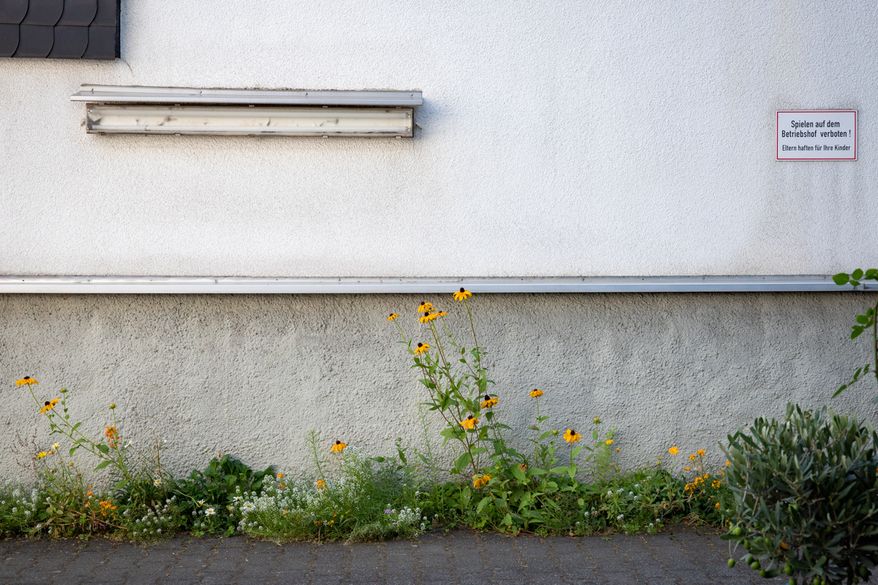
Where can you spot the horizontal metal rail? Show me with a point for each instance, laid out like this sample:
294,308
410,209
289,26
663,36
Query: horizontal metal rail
350,285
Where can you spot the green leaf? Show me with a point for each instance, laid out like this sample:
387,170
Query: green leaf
462,461
483,503
857,274
102,465
103,448
841,278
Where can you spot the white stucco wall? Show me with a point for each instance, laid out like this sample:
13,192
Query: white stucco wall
557,138
251,375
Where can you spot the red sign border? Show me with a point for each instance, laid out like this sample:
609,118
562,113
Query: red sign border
777,114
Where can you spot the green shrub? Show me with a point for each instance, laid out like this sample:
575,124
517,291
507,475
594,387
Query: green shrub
207,496
806,496
366,499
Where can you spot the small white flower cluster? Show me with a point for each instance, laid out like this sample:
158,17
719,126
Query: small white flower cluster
410,520
154,522
287,501
17,508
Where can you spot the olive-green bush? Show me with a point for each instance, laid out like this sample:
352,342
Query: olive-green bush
806,496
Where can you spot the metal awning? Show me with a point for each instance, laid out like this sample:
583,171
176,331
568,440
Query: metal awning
118,94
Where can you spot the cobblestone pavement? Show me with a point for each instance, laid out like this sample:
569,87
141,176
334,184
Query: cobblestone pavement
680,557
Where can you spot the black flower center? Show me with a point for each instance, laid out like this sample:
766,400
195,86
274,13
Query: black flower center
487,397
27,377
47,403
572,432
337,442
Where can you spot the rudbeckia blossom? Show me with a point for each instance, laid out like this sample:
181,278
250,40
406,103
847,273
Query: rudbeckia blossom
536,393
442,314
392,316
571,436
608,442
338,447
469,423
422,348
700,452
427,317
462,295
490,401
424,307
320,484
26,381
43,454
480,481
49,405
674,450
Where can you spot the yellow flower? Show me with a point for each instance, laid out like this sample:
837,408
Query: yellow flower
700,452
728,463
428,316
692,457
320,484
338,447
26,381
49,405
462,295
536,393
687,468
442,314
469,423
112,435
43,454
715,484
392,316
571,436
425,307
480,481
422,348
608,442
717,506
280,475
674,450
490,401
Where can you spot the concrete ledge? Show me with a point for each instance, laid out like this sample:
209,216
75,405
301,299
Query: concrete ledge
353,285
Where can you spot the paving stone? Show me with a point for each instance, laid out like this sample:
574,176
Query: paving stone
683,557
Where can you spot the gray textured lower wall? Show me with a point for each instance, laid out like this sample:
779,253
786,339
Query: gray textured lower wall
250,375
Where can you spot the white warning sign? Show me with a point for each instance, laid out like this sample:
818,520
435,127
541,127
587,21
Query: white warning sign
816,135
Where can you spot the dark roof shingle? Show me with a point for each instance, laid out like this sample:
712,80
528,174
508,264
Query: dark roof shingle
60,29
